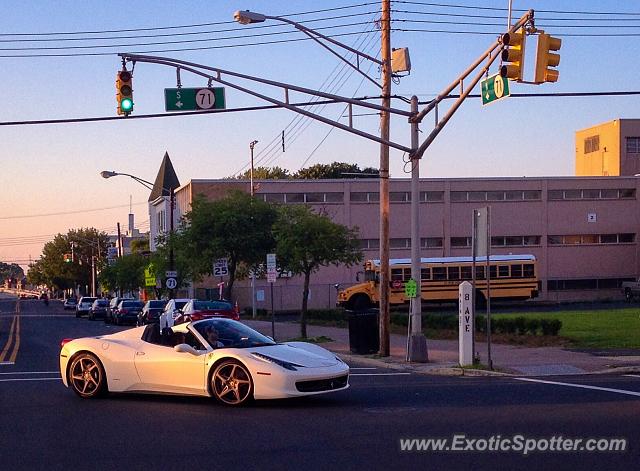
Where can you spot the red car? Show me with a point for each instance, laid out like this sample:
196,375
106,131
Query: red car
196,310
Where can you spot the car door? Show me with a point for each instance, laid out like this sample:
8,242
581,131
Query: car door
163,369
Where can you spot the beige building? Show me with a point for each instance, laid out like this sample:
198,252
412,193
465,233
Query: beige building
609,149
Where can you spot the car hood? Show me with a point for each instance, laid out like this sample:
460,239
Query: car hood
300,353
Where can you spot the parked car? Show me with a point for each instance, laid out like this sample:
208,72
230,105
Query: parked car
84,306
70,303
196,310
151,311
127,312
172,311
98,309
113,307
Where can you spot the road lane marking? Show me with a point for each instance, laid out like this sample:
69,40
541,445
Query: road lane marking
634,376
16,345
582,386
31,373
29,379
379,374
6,363
9,340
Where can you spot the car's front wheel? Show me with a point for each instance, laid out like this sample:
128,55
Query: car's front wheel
231,383
86,376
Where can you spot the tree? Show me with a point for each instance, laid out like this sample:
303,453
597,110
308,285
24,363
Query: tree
335,170
126,273
236,227
10,270
306,241
51,269
265,173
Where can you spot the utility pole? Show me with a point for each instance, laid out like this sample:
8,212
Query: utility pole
252,144
172,261
385,22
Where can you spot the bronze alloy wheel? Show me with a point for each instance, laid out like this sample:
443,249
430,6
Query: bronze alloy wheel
86,376
231,383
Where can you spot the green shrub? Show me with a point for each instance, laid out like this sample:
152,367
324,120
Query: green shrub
550,326
520,325
532,326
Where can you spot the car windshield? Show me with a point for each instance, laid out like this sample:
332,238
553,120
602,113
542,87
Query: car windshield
156,304
132,304
231,334
181,304
200,305
88,300
101,302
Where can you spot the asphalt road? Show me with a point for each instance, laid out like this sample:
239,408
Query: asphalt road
45,426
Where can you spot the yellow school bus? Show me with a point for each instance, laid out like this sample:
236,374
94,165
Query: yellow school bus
512,277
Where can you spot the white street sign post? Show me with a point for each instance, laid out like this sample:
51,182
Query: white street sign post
220,267
271,279
465,324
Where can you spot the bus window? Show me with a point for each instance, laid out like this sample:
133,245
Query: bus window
453,273
465,273
407,274
493,271
503,271
370,275
479,272
396,274
439,273
516,271
425,273
528,270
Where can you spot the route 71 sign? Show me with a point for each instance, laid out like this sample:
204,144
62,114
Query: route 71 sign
494,88
194,99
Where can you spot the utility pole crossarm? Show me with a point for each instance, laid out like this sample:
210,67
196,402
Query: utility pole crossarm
192,67
526,18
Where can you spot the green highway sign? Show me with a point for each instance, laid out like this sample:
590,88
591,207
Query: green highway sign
494,88
193,99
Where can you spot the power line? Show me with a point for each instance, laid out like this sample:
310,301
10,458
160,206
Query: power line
479,7
79,211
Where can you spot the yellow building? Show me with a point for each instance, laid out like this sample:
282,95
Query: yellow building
609,149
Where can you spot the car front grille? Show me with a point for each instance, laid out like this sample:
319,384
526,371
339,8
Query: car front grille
318,385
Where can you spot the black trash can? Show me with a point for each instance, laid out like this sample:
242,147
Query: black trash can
364,334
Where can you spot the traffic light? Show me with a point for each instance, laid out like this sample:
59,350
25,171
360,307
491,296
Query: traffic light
67,258
124,92
545,58
513,55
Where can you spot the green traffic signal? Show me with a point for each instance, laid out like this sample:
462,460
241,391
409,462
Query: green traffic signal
126,105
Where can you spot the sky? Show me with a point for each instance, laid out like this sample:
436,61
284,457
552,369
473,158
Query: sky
59,61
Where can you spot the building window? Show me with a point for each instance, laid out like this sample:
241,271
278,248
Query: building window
294,197
399,196
369,244
495,195
336,197
431,242
589,239
274,197
432,196
477,196
314,197
364,197
461,242
633,145
399,243
591,194
458,196
591,144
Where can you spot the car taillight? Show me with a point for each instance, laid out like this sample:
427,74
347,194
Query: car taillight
124,311
63,342
196,316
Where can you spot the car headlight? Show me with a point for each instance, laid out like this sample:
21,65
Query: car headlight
287,365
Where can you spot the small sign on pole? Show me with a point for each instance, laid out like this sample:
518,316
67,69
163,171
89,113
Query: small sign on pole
465,324
272,272
220,267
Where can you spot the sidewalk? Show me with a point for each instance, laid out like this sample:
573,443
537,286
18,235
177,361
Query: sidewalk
443,354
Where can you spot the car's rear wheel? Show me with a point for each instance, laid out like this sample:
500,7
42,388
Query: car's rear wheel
86,376
231,383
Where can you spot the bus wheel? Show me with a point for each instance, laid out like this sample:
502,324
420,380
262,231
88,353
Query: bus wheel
628,295
481,301
360,302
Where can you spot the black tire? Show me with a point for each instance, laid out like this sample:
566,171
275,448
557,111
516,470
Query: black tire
86,376
360,302
231,383
628,295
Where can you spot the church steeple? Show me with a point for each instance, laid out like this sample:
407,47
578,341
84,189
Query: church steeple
165,180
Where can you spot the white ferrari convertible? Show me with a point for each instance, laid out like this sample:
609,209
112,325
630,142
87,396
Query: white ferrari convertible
217,357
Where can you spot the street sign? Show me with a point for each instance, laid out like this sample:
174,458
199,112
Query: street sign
220,267
149,276
192,99
272,272
465,323
171,274
171,283
411,288
494,88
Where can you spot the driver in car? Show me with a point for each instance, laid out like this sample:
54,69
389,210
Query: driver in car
212,337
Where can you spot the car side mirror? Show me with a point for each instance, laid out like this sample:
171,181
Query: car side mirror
185,348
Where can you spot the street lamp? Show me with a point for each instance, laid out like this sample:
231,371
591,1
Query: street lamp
252,144
149,185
